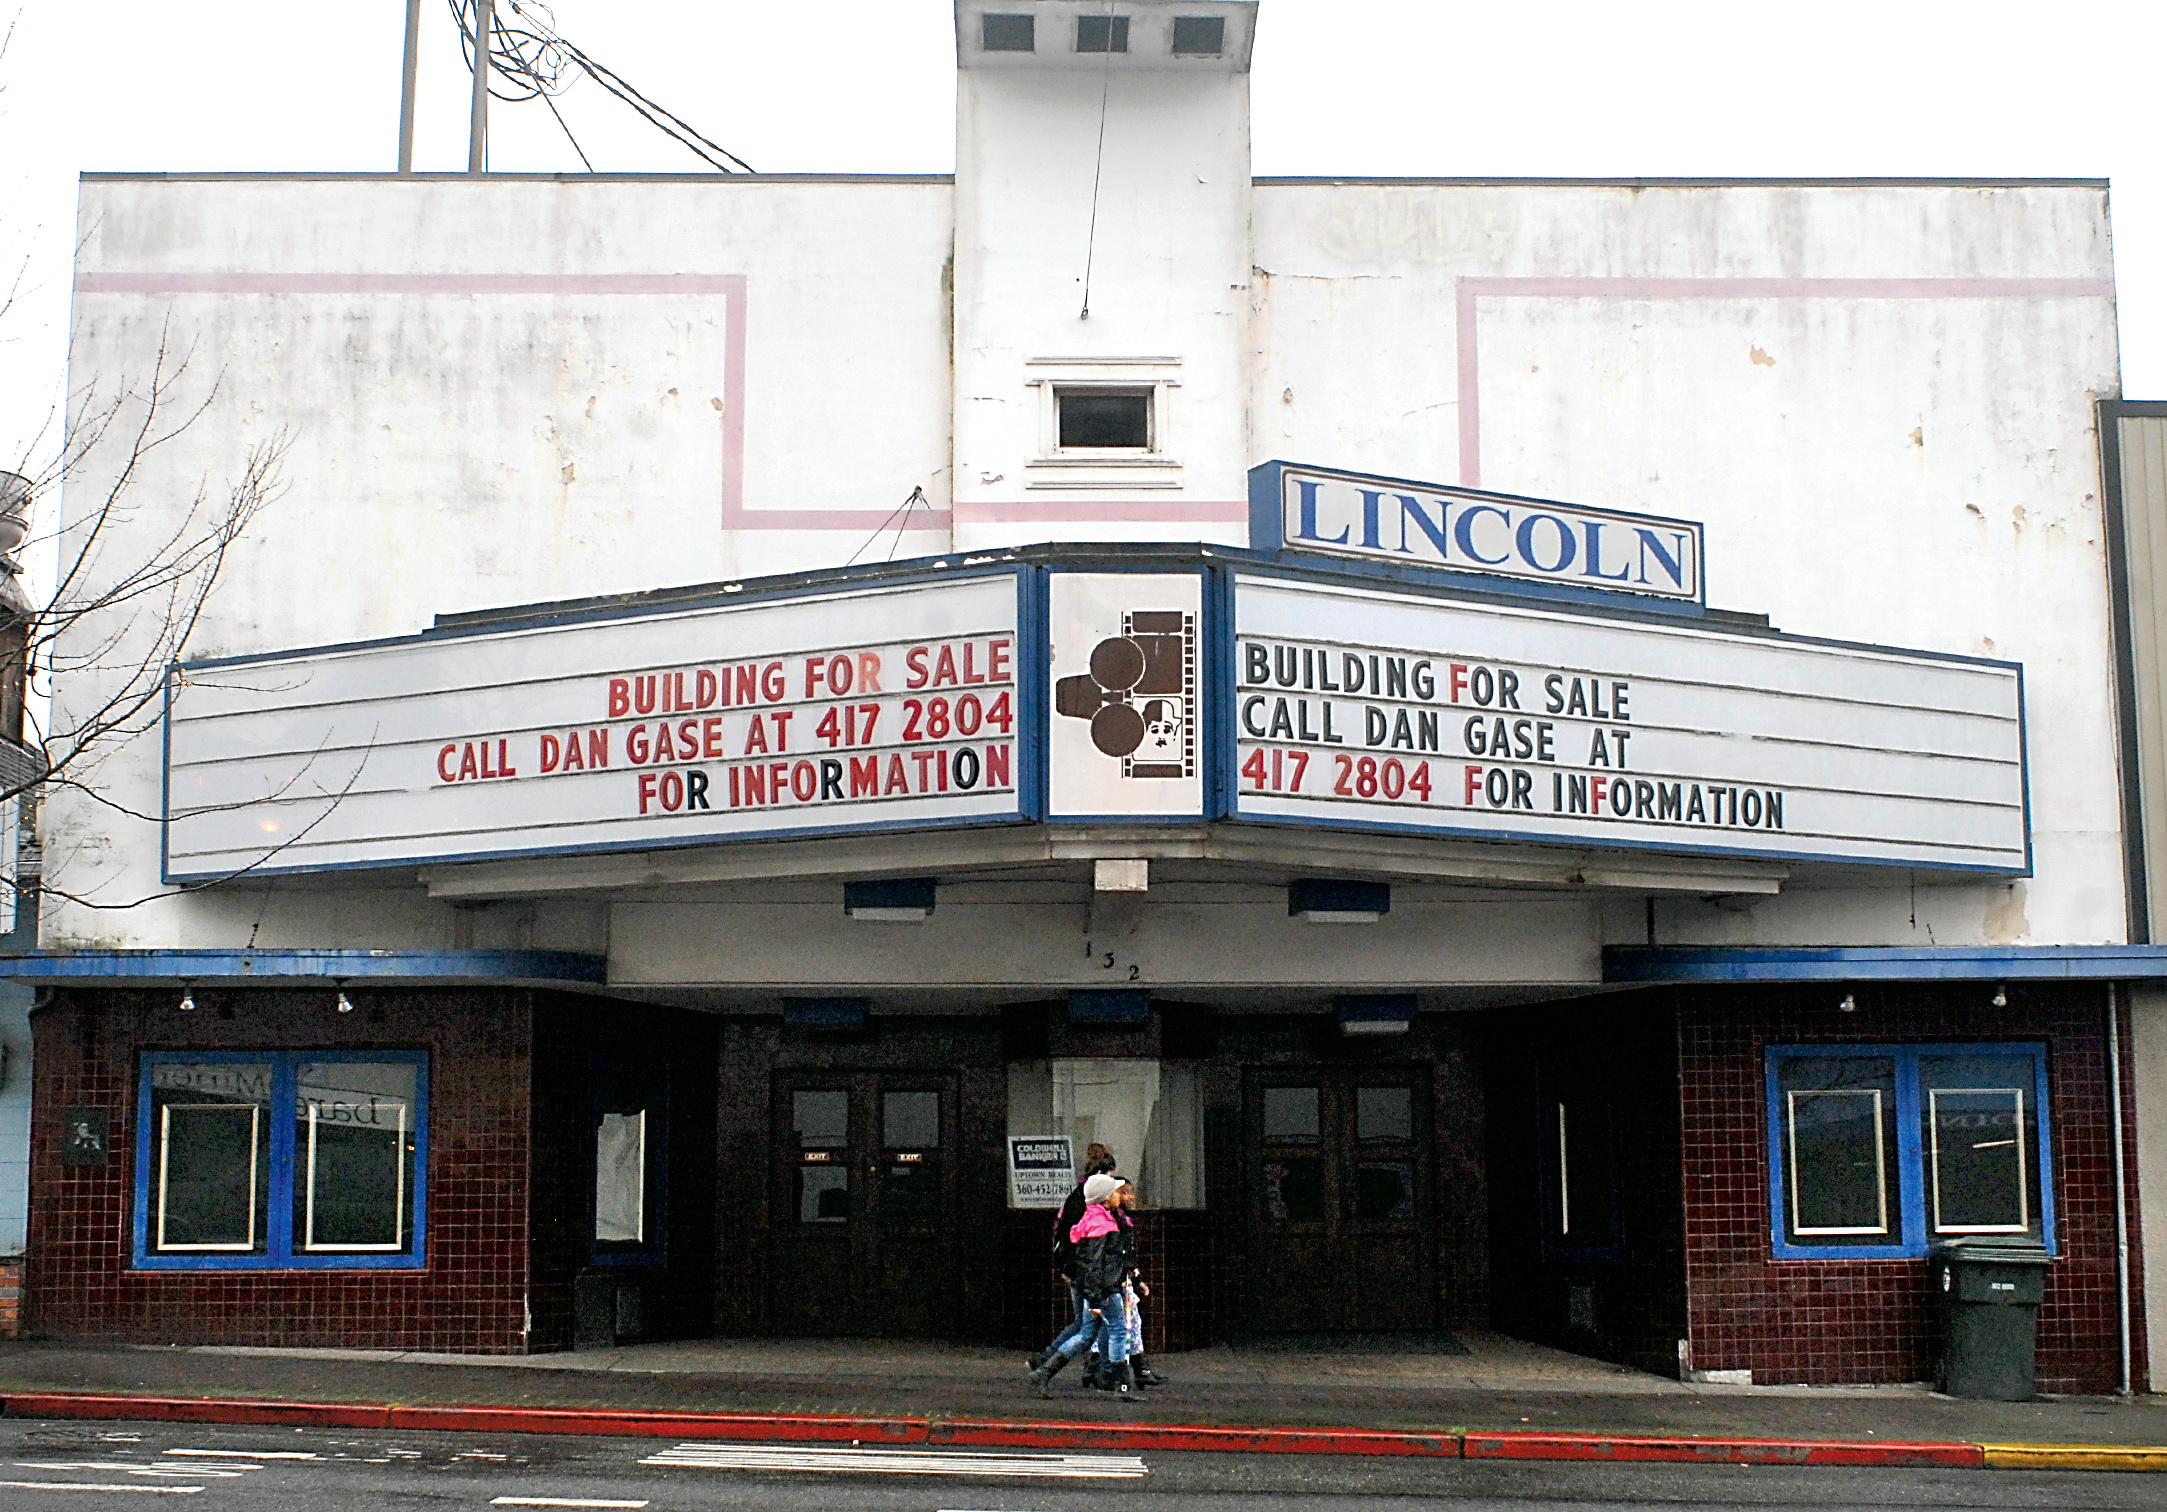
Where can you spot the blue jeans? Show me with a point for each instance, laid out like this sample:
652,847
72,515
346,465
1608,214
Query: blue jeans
1109,1327
1083,1323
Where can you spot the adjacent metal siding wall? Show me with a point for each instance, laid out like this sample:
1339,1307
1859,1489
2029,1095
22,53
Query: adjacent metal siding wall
2142,443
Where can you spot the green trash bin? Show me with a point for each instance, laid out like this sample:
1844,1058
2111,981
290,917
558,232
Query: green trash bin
1990,1288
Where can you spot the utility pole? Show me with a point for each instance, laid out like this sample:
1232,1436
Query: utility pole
478,122
406,86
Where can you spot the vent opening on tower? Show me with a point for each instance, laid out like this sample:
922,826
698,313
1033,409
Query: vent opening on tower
1008,33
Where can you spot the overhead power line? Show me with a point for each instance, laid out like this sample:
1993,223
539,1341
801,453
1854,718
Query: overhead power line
529,59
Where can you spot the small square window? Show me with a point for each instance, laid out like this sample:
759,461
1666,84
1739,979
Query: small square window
1199,36
1292,1115
1104,419
1007,33
822,1119
1102,34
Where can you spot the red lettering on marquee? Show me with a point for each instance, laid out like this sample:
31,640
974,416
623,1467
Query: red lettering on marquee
865,776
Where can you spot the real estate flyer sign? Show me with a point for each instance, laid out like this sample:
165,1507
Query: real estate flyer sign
1041,1170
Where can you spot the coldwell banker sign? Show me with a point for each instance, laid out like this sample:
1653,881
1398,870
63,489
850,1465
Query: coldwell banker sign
1456,529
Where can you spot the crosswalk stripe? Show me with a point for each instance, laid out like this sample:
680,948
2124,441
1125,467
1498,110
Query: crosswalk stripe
901,1462
90,1486
245,1454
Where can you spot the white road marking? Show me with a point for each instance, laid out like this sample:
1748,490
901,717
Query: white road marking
245,1454
223,1472
901,1462
87,1486
556,1501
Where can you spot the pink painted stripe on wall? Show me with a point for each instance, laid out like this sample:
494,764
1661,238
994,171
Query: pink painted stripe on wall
1469,290
409,283
1056,511
729,286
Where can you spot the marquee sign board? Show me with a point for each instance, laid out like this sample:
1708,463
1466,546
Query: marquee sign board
1178,689
866,707
1382,709
1298,508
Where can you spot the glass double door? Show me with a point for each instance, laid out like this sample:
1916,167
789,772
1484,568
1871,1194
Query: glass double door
864,1228
1339,1201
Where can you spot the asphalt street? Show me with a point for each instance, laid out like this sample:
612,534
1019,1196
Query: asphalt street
79,1465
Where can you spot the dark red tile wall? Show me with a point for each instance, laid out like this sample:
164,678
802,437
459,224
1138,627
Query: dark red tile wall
470,1297
1835,1322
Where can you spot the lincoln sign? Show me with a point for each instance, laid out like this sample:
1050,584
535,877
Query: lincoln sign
1093,685
1487,535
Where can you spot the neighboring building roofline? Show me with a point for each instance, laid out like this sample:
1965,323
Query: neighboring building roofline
1262,182
517,178
1680,183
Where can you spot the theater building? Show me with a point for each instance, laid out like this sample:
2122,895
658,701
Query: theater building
1535,755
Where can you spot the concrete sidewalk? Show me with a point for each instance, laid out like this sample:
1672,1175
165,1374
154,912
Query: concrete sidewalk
1497,1384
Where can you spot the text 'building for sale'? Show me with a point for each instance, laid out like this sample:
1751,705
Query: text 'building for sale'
1539,755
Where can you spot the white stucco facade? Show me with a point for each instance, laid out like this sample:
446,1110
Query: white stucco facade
502,390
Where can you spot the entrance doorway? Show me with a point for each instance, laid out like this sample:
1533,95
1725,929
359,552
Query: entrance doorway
1339,1200
865,1201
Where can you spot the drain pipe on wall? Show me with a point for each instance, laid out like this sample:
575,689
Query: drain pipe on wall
2121,1178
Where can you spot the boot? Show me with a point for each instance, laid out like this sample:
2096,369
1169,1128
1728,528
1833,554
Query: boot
1124,1376
1042,1375
1145,1375
1095,1371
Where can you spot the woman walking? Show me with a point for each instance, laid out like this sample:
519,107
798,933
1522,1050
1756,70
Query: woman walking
1098,1161
1101,1266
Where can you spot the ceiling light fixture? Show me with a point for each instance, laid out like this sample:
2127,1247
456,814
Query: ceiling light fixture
896,900
1329,900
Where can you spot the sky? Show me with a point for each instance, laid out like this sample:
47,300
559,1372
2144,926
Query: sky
1416,87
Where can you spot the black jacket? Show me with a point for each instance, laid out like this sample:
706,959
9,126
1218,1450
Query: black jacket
1064,1249
1102,1264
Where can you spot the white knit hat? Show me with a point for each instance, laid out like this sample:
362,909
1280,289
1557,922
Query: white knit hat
1099,1188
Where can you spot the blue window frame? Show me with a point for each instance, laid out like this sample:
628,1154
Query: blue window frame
282,1160
1876,1152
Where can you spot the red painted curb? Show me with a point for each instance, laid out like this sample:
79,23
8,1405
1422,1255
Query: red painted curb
787,1428
1189,1437
1627,1447
68,1404
994,1433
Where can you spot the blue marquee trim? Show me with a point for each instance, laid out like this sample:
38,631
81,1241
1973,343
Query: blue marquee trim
1629,964
363,966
